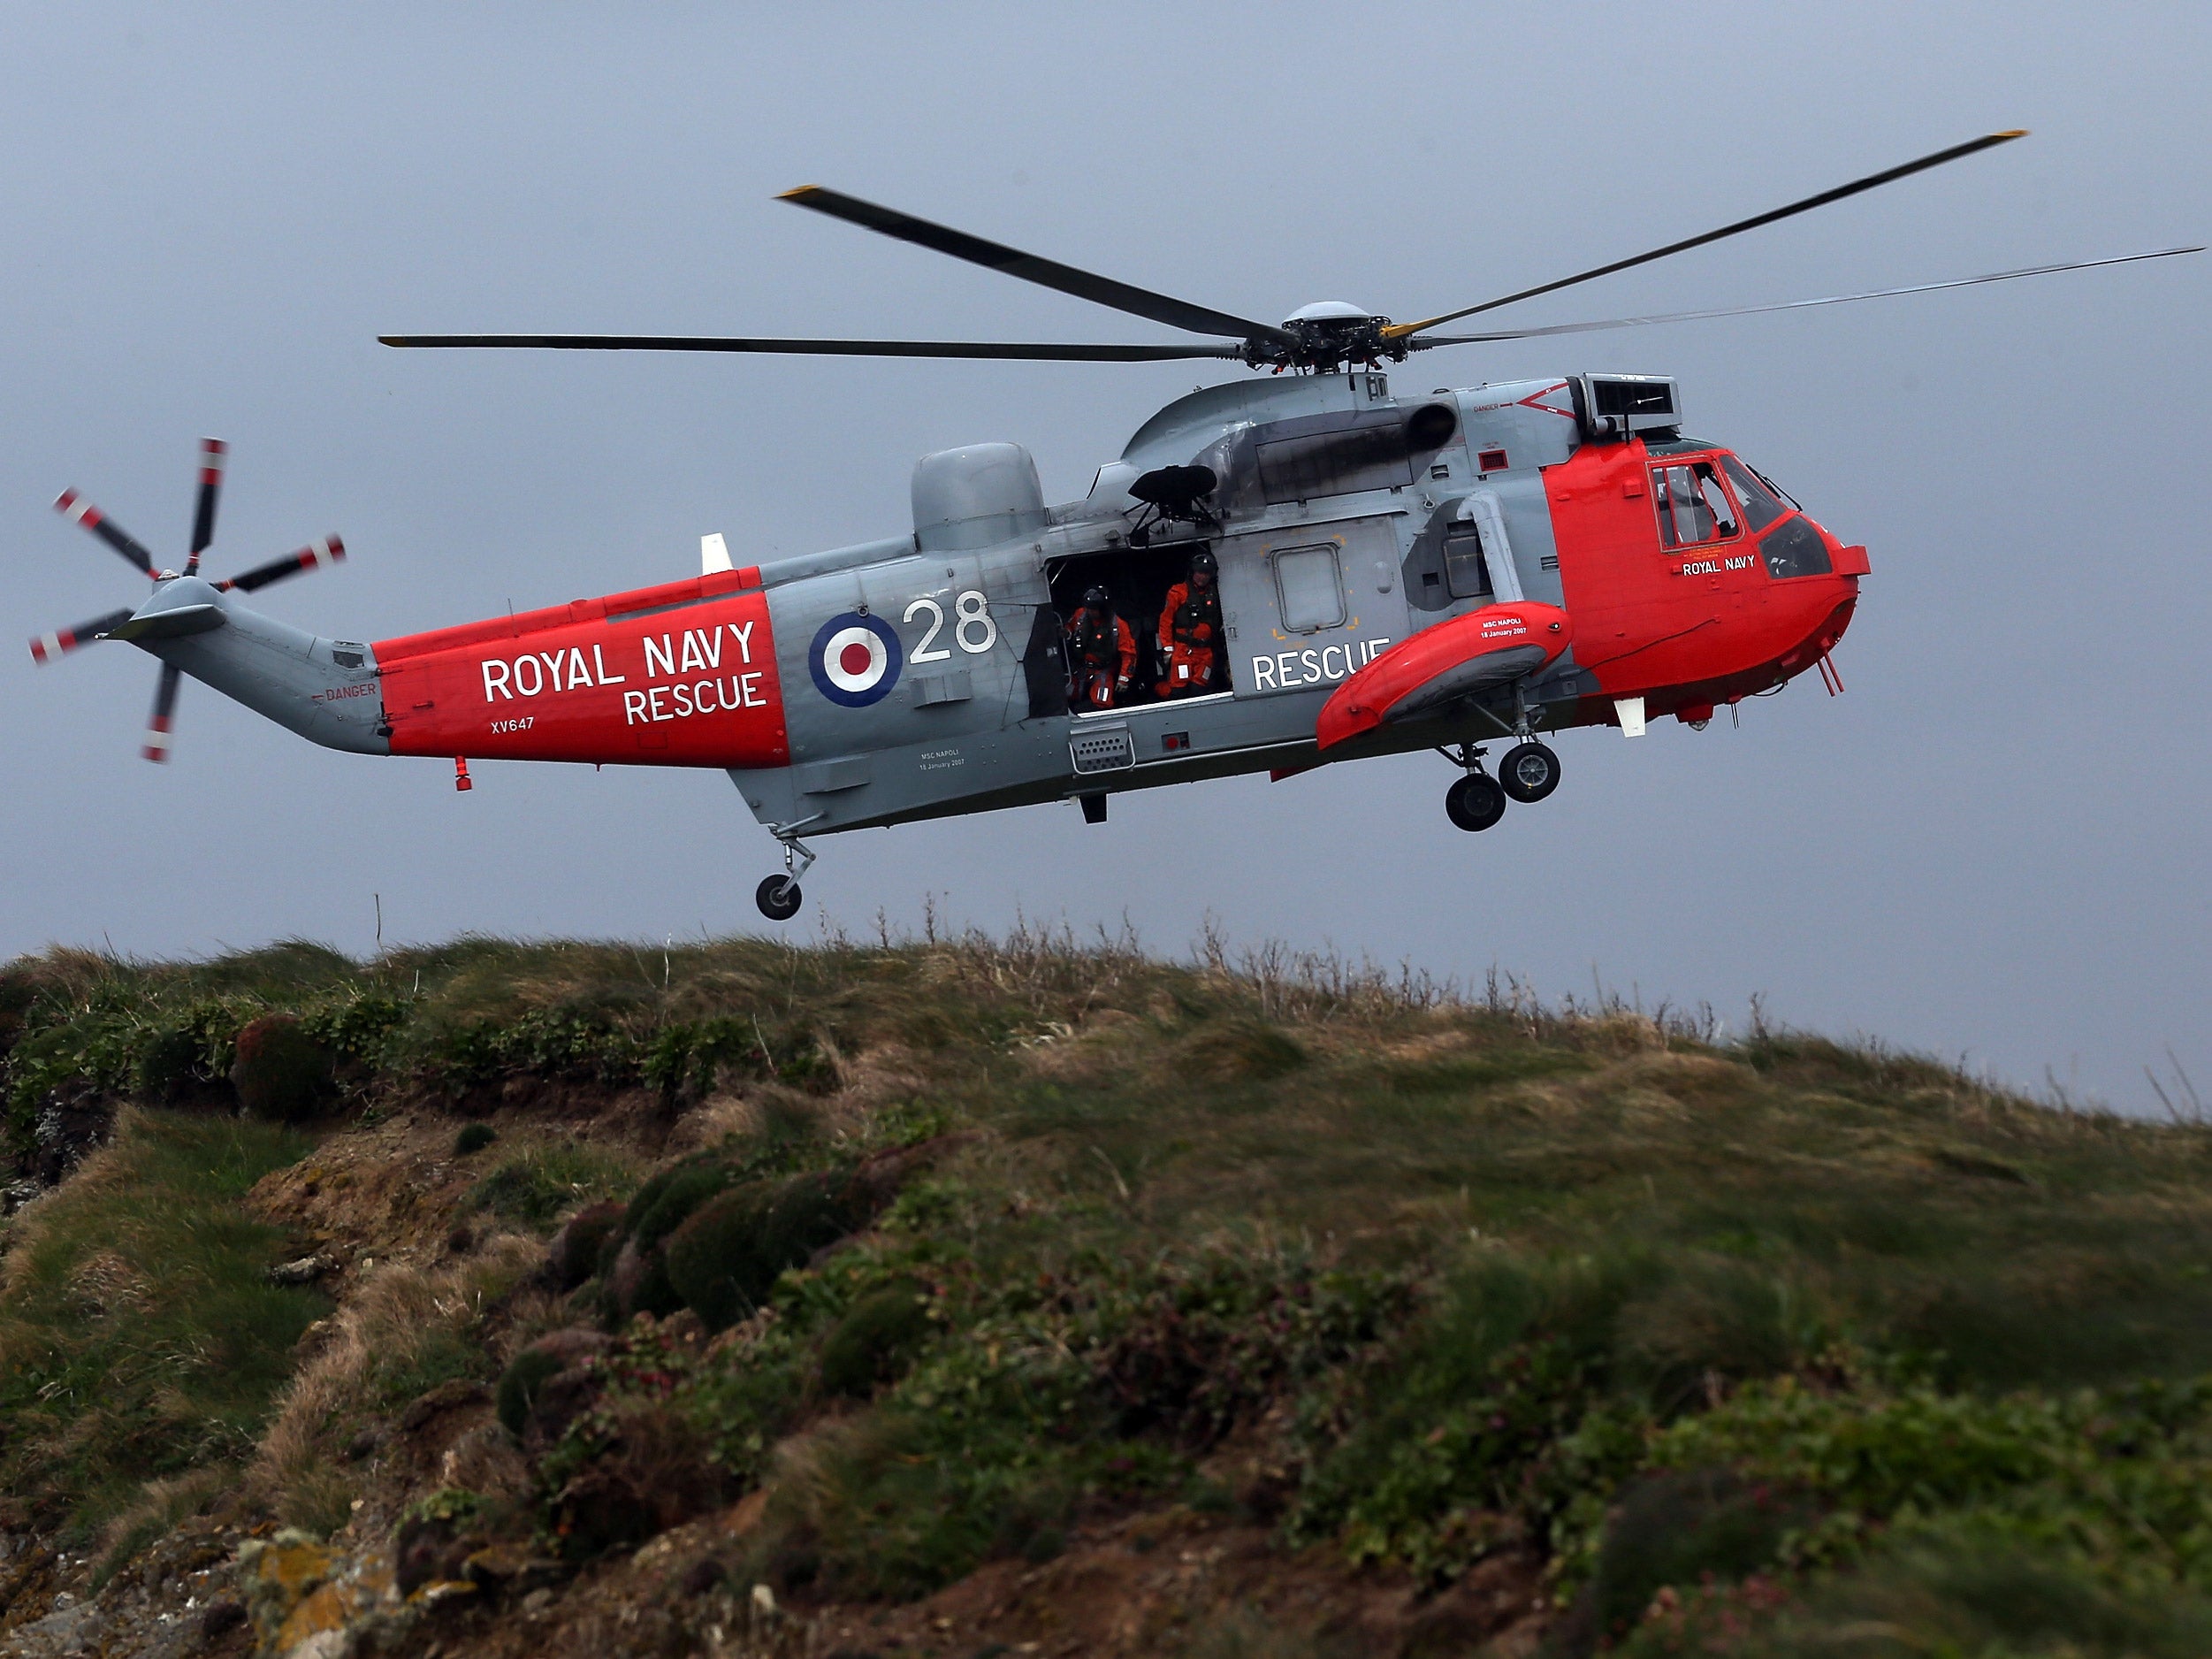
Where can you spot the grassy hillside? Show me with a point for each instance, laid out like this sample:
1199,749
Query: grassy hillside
948,1259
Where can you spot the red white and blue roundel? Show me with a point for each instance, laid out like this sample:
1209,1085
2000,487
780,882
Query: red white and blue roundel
855,660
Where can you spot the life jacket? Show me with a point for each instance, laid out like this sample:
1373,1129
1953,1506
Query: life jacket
1188,609
1097,639
1199,610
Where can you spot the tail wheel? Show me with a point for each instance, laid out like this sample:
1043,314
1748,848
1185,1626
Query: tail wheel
1475,802
1529,772
778,897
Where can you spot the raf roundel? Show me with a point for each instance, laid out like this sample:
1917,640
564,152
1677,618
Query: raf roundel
855,660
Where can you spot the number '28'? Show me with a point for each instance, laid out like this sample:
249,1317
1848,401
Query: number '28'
973,626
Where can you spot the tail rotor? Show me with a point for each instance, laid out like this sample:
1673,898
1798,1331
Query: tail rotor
171,620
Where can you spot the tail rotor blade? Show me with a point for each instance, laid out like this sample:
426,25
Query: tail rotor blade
47,647
314,557
157,726
214,453
77,510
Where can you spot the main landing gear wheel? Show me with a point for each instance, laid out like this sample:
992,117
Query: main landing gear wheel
1529,772
778,897
1475,802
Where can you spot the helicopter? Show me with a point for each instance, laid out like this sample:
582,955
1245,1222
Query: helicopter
1276,574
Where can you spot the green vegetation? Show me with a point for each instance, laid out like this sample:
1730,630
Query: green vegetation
139,1336
536,1186
1771,1345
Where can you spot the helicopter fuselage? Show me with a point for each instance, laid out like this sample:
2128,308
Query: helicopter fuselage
918,677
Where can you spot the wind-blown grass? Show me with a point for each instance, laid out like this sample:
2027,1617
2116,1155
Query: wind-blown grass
139,1336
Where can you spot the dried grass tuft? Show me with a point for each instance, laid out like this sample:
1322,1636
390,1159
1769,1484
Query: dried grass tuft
390,1321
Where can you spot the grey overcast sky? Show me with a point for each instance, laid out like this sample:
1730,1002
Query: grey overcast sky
1993,844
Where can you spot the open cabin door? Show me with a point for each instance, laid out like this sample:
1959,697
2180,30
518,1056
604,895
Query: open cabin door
1310,606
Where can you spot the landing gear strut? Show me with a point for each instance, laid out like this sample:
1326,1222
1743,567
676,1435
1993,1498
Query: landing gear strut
778,895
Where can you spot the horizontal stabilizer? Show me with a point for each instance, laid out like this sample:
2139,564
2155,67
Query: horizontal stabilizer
170,624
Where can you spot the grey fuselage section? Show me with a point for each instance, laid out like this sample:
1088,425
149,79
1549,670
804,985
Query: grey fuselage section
326,690
1330,531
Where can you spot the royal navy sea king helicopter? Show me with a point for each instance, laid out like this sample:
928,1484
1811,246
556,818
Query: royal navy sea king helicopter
1388,572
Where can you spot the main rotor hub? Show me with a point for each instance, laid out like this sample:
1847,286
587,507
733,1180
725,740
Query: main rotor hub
1326,336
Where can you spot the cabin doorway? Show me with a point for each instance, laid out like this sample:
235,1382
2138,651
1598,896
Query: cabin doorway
1138,580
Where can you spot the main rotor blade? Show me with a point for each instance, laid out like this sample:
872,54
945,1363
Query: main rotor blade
50,648
1025,350
1790,303
77,510
213,454
1433,340
164,706
1400,330
314,557
1084,284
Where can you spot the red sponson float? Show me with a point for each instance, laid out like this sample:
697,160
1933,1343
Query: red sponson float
1491,647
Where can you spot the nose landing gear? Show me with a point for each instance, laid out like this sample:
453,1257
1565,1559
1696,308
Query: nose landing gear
778,895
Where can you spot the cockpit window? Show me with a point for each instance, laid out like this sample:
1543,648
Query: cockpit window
1760,508
1693,508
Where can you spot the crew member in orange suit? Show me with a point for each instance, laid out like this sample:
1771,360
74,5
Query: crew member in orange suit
1190,630
1102,653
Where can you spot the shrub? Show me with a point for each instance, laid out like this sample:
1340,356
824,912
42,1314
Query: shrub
576,1251
281,1074
1682,1529
184,1054
663,1202
652,1470
575,1043
357,1025
725,1259
519,1385
1918,1600
876,1341
1238,1051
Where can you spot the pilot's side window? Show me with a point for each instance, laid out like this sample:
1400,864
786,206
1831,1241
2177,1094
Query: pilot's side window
1693,506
